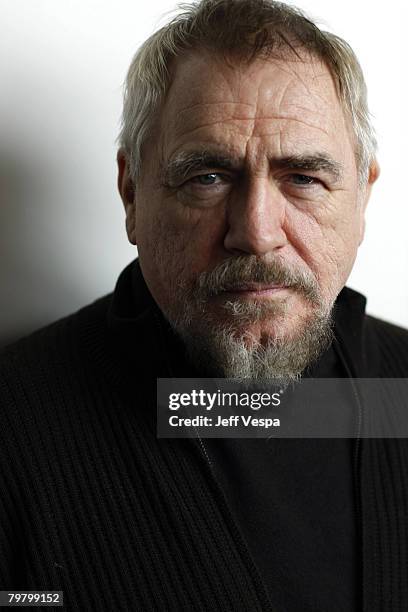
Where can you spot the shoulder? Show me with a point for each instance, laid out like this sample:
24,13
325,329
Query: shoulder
39,371
57,343
390,342
387,333
379,348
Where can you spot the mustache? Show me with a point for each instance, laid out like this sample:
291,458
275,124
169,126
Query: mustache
237,271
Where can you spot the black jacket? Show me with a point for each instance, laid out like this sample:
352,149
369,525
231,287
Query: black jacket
93,504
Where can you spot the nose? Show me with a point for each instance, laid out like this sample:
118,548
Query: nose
256,219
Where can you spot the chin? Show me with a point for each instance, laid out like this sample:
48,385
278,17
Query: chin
261,321
280,329
280,347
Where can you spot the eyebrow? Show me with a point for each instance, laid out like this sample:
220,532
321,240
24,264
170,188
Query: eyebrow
186,163
315,162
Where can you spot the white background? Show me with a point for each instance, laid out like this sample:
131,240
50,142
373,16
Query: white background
62,65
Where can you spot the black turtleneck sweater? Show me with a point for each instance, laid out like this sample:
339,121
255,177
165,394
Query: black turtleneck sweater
293,500
93,504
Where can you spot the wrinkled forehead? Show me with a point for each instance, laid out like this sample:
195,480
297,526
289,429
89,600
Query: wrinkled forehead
206,88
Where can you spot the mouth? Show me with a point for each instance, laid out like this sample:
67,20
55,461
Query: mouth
256,290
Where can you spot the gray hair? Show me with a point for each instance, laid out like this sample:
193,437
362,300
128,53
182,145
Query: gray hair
245,29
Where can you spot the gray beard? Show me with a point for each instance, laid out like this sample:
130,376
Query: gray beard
220,346
217,351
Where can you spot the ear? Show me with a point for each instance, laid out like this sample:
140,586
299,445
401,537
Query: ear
373,174
127,193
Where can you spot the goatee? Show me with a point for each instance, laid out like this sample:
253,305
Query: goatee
218,342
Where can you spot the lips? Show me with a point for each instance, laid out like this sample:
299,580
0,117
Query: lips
254,288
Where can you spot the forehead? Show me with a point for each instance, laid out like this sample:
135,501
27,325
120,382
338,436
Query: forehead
290,101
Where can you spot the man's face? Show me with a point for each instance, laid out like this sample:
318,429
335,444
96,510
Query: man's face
248,213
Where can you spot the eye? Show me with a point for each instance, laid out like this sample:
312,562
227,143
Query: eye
206,179
204,190
303,179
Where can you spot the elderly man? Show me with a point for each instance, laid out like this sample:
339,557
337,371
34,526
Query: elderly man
245,166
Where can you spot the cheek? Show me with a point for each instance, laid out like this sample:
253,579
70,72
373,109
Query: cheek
162,249
327,244
177,243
